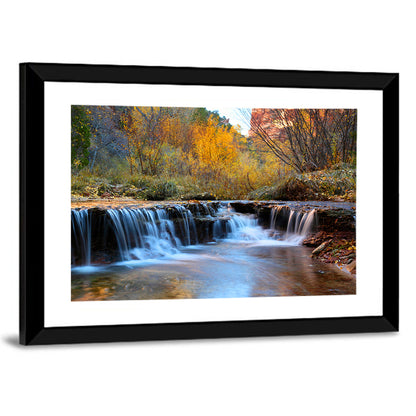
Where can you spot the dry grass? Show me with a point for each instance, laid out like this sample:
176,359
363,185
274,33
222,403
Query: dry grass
335,184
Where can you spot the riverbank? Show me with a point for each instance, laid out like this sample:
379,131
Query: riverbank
243,206
338,247
336,184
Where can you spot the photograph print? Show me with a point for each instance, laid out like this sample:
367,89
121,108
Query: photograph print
203,203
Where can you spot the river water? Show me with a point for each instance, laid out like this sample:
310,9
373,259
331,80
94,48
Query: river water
249,261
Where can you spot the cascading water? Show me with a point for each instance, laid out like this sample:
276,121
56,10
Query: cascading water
81,234
299,224
188,225
245,228
238,254
208,210
143,233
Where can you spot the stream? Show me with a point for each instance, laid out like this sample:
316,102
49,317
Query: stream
160,257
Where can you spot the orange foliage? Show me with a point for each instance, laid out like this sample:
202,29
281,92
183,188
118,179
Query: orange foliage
213,146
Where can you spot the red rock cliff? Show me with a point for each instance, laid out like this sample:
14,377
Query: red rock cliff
263,118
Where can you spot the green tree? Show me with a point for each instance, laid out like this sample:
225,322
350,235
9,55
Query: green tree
80,137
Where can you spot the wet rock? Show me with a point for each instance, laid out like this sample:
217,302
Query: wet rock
264,214
202,208
351,267
280,214
336,219
245,207
102,233
321,248
316,239
330,216
335,222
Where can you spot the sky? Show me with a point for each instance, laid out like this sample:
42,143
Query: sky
233,115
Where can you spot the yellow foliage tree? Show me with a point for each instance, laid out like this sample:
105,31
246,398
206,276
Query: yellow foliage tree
214,147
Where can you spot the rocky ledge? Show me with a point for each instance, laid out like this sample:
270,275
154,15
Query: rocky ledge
339,216
333,238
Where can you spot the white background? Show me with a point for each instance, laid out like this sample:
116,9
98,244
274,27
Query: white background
59,310
325,375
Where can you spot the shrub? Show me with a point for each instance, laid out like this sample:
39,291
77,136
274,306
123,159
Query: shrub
161,190
339,183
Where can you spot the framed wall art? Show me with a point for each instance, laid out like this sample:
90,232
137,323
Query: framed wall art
179,203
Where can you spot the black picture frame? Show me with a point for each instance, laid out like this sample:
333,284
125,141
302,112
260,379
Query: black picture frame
32,285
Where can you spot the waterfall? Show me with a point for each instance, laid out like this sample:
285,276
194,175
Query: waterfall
245,228
208,210
133,233
242,227
299,224
188,225
219,229
81,234
107,235
278,216
143,233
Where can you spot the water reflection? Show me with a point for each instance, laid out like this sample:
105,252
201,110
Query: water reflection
228,269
